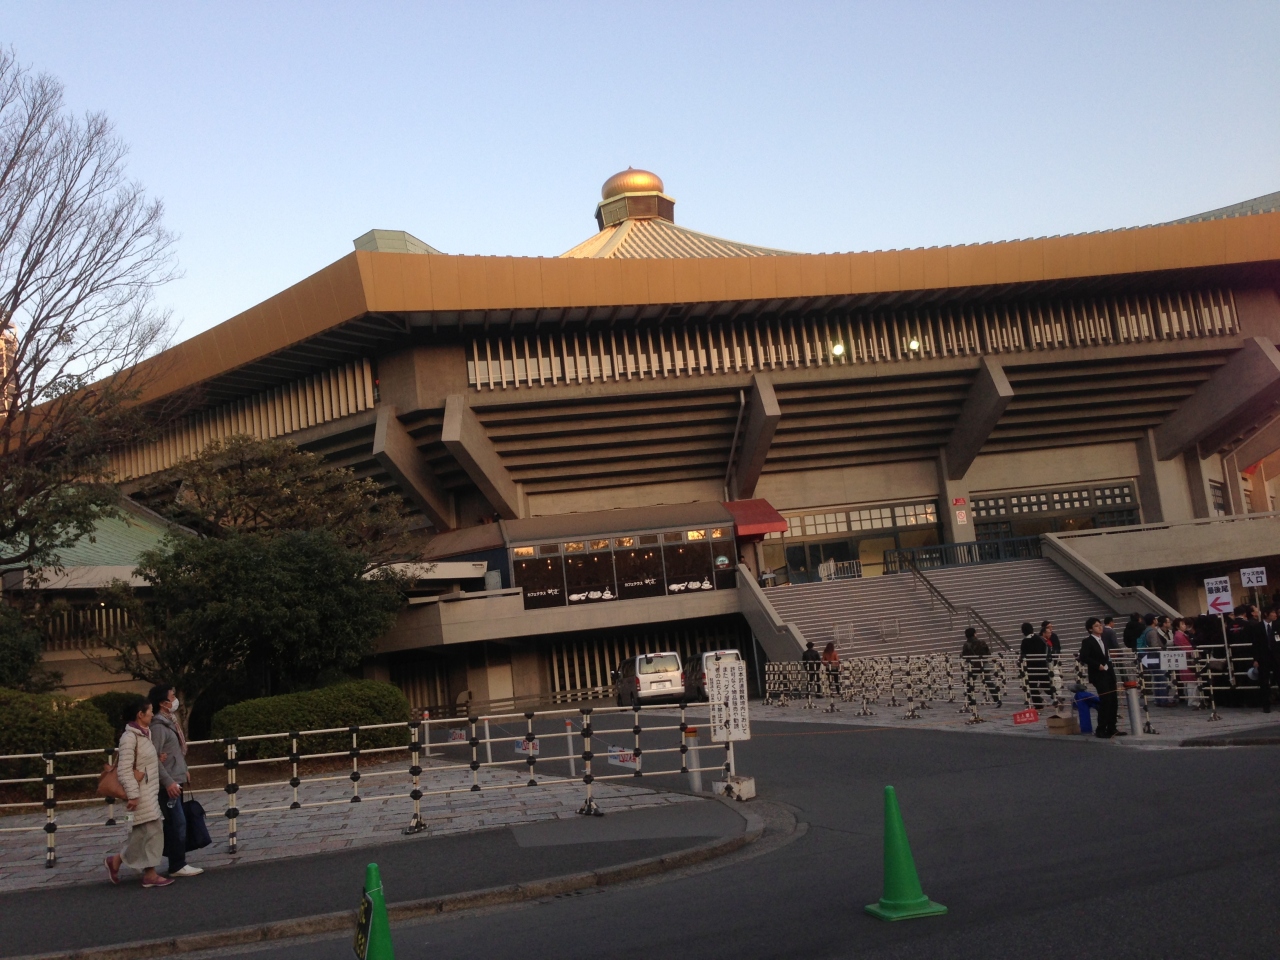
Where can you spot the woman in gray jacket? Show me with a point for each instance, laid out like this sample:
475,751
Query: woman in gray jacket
138,766
171,745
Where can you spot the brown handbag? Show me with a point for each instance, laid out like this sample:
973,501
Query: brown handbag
109,784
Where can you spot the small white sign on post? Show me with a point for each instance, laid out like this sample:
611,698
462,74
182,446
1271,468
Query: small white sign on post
621,757
526,748
1253,577
1217,590
1173,659
727,693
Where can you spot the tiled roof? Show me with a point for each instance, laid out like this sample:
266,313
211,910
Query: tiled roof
661,239
1270,203
117,541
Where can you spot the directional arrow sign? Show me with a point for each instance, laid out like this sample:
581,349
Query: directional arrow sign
1218,592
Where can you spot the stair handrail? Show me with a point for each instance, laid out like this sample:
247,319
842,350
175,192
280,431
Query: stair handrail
971,612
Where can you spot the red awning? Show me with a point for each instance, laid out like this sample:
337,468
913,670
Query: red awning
754,518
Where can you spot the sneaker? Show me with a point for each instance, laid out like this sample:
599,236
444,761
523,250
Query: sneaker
157,882
113,870
187,871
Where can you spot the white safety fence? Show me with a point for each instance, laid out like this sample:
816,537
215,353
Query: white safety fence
971,684
550,748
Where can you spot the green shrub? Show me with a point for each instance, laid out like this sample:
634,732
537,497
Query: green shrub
356,702
36,722
112,704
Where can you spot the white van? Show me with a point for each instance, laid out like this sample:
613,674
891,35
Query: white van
650,678
695,684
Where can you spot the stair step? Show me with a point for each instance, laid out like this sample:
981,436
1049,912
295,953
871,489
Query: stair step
894,614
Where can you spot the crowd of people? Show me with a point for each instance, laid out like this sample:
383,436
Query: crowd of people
1138,645
152,768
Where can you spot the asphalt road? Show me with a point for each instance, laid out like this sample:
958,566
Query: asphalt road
1041,849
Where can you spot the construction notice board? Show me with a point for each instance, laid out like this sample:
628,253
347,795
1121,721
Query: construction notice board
727,693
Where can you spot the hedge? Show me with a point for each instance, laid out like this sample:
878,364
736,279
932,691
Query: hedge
112,704
354,702
37,722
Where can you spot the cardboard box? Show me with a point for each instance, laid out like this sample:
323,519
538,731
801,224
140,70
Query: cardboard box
1064,725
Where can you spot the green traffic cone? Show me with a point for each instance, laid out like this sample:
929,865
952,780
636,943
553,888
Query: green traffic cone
373,931
903,898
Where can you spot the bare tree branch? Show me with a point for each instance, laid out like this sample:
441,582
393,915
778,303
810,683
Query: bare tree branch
82,250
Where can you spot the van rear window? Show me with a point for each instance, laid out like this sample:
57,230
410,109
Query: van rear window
663,664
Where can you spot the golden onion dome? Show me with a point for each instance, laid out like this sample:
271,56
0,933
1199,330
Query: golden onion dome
631,180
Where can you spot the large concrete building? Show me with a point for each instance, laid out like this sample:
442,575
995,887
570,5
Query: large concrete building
616,447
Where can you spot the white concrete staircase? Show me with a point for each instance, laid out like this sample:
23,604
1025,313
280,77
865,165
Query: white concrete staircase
895,614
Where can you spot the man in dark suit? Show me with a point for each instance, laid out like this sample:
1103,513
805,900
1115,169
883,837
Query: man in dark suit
1262,644
1109,632
1102,674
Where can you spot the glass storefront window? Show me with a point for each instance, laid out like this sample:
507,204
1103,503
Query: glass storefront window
696,535
688,566
639,572
542,580
589,578
724,558
576,547
522,552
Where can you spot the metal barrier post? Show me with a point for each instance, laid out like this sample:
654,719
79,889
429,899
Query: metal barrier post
488,743
294,758
426,733
232,788
911,713
475,755
730,765
355,764
691,759
568,739
111,801
637,751
416,824
529,738
589,808
1206,683
51,819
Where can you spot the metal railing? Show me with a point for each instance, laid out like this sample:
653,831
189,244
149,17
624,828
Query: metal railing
927,681
840,570
543,740
973,617
962,554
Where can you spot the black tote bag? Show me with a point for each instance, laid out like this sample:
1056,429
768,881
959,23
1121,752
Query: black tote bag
197,831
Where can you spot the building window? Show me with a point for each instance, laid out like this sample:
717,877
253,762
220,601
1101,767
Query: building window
997,530
1219,494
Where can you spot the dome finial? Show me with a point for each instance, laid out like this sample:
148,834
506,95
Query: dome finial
633,195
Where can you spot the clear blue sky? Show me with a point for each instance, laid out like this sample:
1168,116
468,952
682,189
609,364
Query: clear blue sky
276,133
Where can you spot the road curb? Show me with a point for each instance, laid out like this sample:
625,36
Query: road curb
1231,742
416,909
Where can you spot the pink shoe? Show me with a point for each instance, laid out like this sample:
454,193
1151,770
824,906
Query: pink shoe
157,882
113,870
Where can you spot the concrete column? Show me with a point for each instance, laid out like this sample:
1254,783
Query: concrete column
1231,481
950,512
1197,485
1163,485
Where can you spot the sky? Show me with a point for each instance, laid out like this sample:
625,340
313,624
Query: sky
277,133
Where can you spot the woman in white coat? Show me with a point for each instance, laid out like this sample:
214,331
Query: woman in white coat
138,767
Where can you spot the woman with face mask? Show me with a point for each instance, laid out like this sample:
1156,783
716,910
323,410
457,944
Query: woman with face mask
171,745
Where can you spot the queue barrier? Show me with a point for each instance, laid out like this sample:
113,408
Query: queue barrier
926,681
589,728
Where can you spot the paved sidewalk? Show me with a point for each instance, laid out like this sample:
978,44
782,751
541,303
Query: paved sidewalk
327,822
1174,725
416,868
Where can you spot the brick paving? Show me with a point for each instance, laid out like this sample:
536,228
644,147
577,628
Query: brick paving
327,821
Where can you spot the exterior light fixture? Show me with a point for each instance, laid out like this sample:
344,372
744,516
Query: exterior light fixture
914,345
837,349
